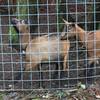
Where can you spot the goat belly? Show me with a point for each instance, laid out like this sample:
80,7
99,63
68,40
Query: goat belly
93,43
44,51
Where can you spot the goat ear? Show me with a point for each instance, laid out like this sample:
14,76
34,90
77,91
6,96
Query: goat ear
66,22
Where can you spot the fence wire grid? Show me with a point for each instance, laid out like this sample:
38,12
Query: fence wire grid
45,27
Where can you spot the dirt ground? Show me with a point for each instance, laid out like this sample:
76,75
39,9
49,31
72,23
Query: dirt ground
79,92
13,75
12,65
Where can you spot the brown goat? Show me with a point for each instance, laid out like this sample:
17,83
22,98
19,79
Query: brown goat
91,40
42,48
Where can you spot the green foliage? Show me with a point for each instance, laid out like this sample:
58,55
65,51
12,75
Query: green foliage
60,94
1,96
13,35
21,13
98,27
22,9
59,11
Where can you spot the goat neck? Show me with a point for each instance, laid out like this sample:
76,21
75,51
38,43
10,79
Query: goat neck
25,39
81,33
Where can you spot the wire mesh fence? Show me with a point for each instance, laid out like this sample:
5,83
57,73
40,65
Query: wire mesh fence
48,44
